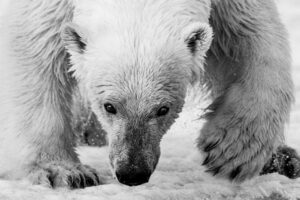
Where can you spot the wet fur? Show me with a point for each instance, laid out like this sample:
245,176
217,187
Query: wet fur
247,72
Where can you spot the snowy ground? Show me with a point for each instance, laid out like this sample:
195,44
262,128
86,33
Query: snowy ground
179,174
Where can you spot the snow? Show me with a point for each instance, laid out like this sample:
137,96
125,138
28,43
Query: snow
179,174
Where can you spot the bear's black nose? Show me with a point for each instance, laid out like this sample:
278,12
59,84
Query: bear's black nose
133,178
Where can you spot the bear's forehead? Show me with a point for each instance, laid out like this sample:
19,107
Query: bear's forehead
137,80
137,85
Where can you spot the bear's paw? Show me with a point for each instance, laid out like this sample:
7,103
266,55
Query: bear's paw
63,174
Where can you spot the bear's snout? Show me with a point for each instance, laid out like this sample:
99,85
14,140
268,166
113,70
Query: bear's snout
133,176
134,168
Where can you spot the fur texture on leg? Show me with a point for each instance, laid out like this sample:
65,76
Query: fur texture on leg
38,94
248,72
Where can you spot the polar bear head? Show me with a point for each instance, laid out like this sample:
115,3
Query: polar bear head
135,59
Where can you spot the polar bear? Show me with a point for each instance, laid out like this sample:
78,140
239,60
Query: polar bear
132,61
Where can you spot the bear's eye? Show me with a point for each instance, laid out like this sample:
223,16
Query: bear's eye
110,108
163,111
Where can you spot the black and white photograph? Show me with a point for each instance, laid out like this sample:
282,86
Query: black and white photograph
149,99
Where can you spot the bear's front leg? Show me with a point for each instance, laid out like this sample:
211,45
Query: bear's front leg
45,152
50,142
248,72
38,99
47,130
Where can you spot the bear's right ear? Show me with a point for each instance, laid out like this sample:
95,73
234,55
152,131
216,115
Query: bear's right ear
74,39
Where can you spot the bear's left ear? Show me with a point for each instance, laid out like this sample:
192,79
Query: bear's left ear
198,37
74,39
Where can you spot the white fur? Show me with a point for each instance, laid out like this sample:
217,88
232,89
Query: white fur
111,28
